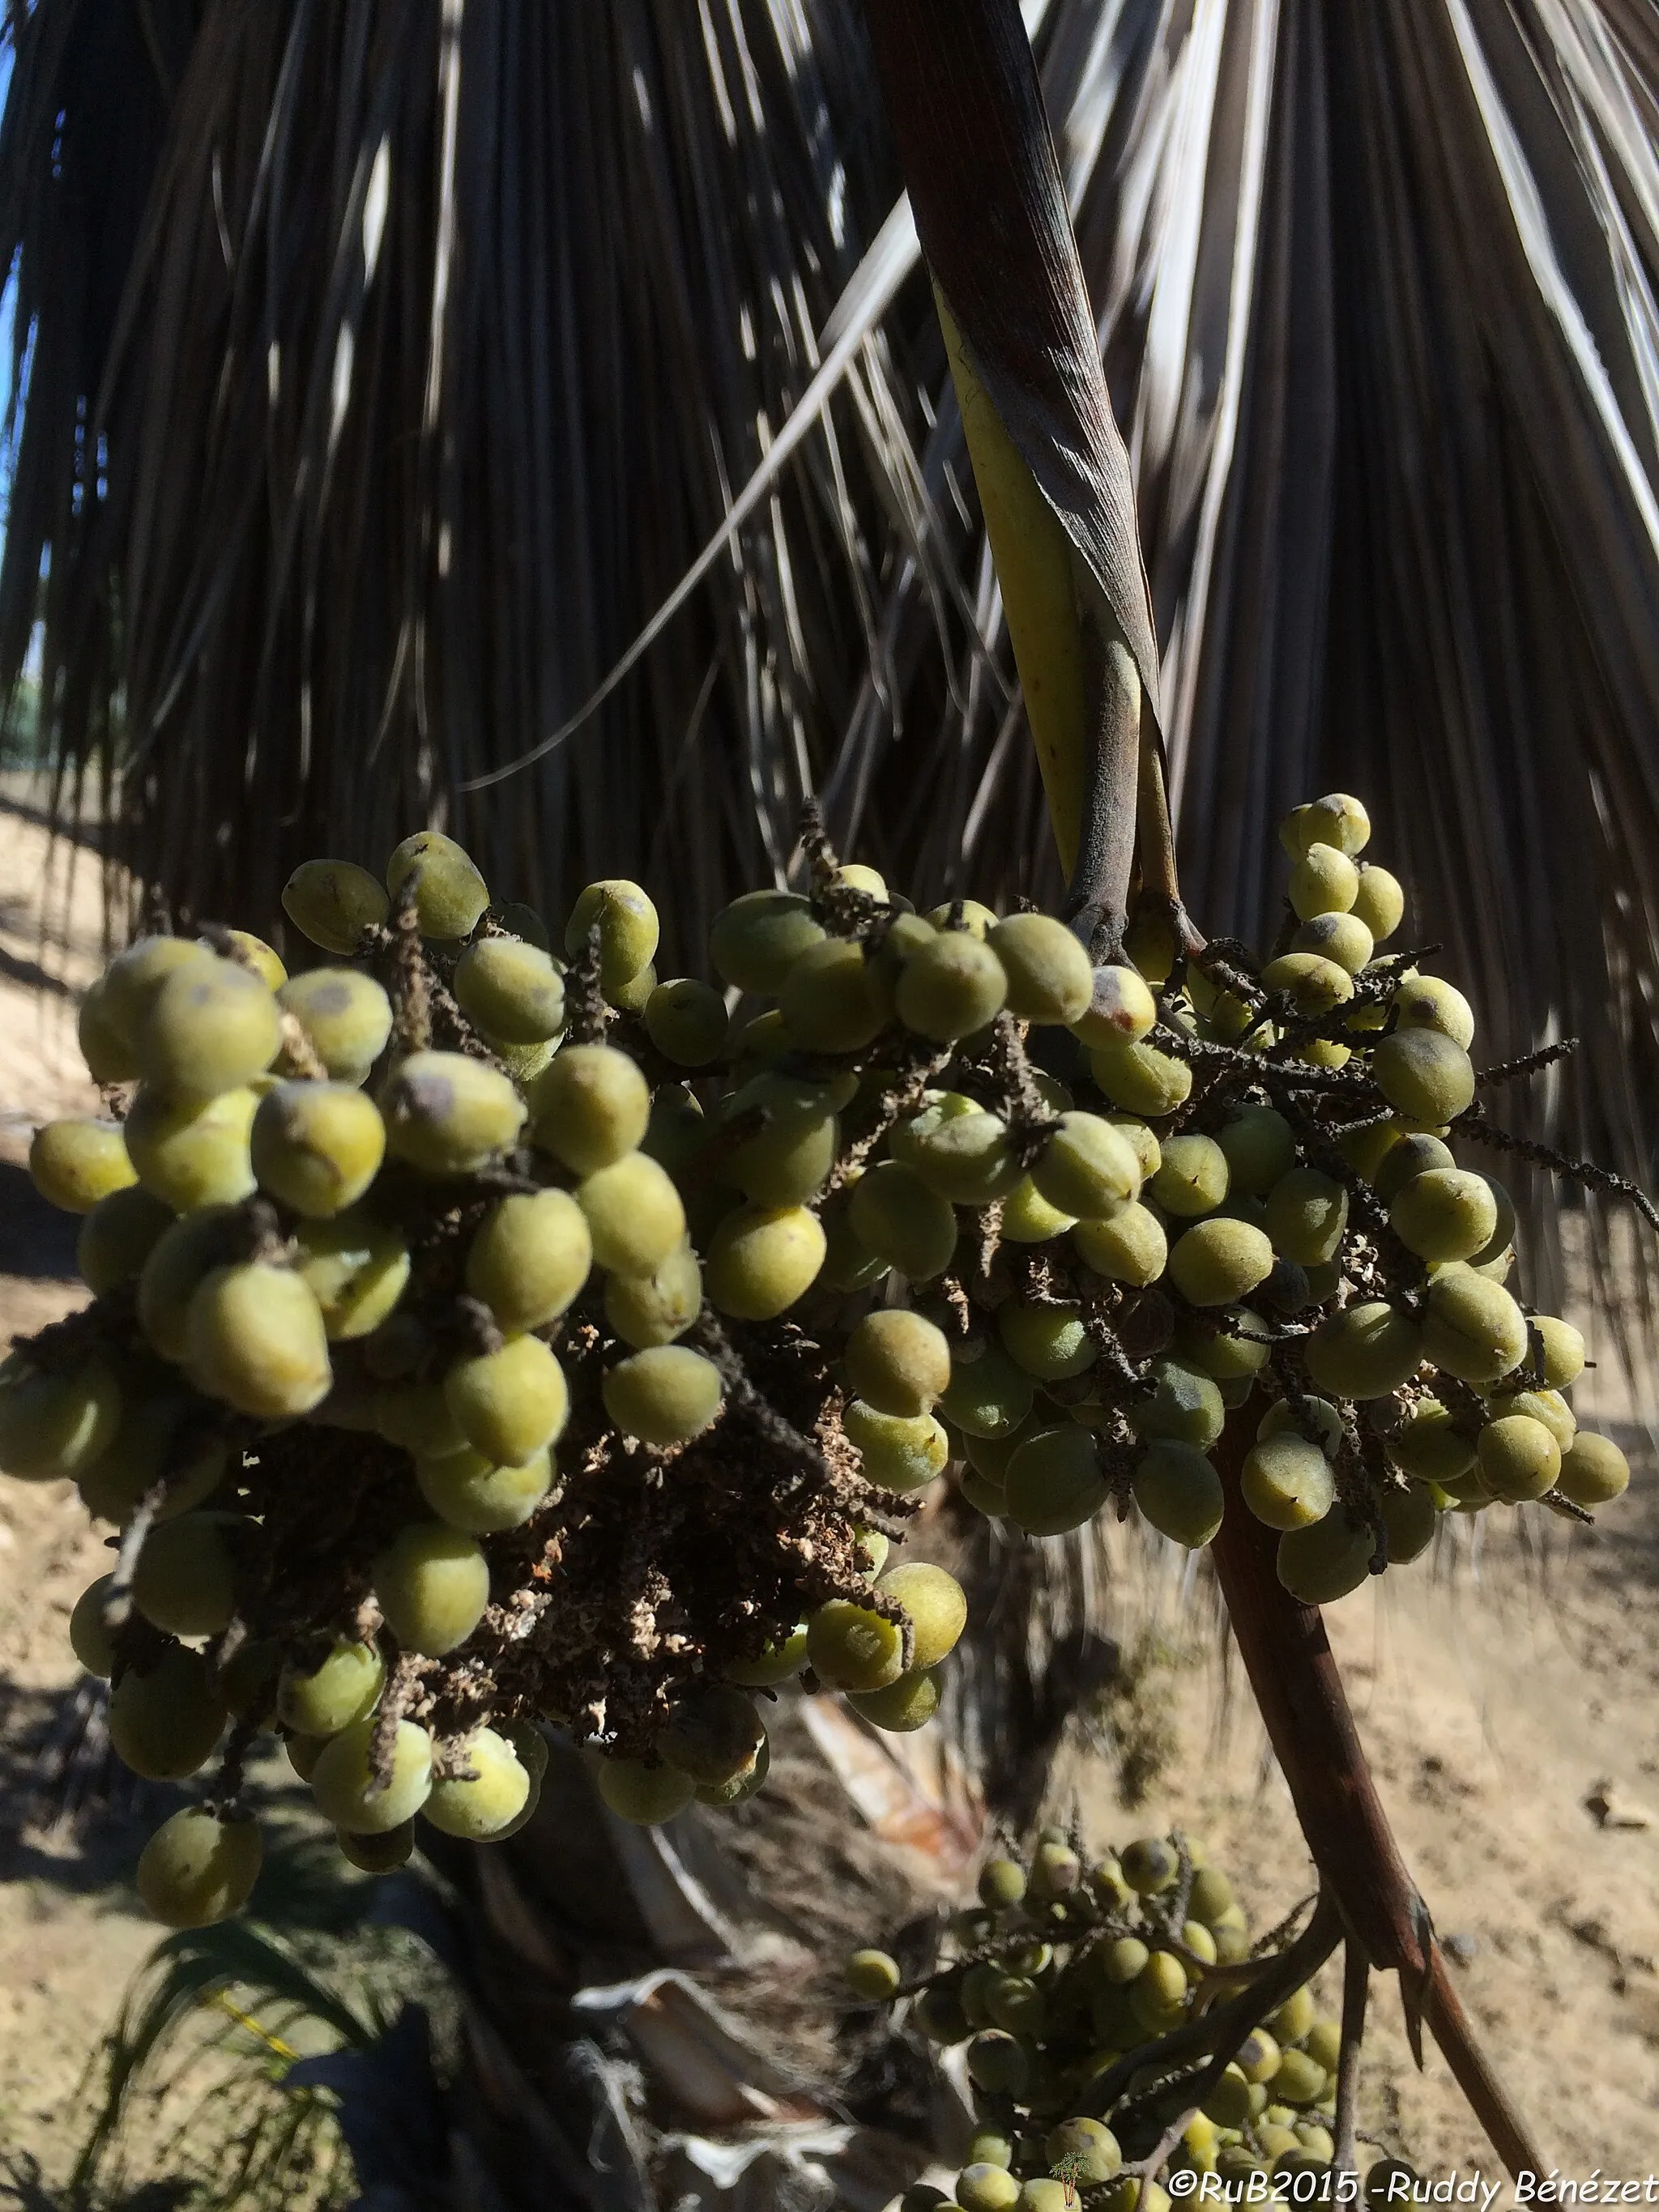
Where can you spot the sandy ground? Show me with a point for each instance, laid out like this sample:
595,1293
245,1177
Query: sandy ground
69,1940
1495,1693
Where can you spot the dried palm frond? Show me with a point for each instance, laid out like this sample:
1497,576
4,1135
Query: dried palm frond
381,367
430,344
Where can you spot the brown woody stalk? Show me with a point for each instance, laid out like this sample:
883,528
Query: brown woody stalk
1293,1673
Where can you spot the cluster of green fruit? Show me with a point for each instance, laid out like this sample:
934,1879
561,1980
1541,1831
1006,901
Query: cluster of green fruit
446,1371
1270,1208
478,1338
1081,1992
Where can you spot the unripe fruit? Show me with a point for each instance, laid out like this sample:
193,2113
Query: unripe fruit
1431,1446
1406,1158
1192,1178
1562,1348
686,1020
1029,1218
1142,1079
998,2063
212,1026
74,1164
851,1648
1051,1342
1087,1169
1594,1472
254,1336
450,894
873,1976
185,1581
511,990
655,1308
1342,938
1260,1149
529,1257
1050,978
1001,1883
788,1159
776,1664
1305,1214
1473,1328
89,1635
1184,1405
333,901
1518,1457
1379,903
591,1107
192,1152
1217,1262
198,1868
644,1794
485,1804
1323,881
965,1158
1444,1214
1054,1481
633,1214
1121,1009
714,1736
56,1422
904,1706
665,1395
1287,1482
935,1604
989,1396
1314,985
343,1780
1129,1248
449,1115
377,1854
895,1215
118,1235
628,925
471,1492
131,985
898,1362
983,2187
357,1269
1091,2144
756,940
1323,1563
317,1146
1364,1351
165,1718
761,1259
346,1017
898,1454
1179,1493
433,1585
508,1404
1423,1075
335,1695
951,987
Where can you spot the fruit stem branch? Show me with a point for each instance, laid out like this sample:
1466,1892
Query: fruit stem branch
1356,1990
1222,2031
117,1598
1096,902
1298,1692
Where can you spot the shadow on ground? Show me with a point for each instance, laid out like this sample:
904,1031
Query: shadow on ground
37,1240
